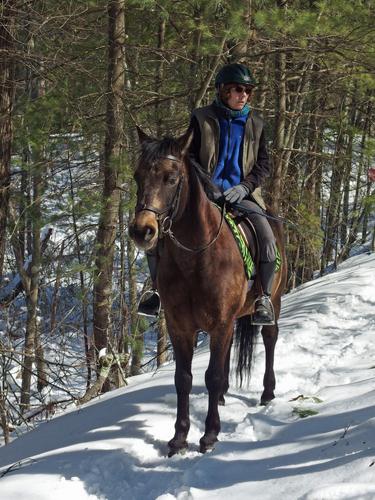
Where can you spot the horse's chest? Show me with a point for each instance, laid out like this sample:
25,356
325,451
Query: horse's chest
185,278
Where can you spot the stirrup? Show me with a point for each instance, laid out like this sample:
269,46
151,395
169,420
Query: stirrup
261,319
149,304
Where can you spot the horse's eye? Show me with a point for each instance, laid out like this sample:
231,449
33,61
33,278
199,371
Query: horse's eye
170,179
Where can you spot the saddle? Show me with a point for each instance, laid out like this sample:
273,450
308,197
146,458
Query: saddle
247,240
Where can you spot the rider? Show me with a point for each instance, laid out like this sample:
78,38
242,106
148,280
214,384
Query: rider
229,143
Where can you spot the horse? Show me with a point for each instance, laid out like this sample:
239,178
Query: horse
201,278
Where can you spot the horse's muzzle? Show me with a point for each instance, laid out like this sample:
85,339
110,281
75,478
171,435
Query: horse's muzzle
144,230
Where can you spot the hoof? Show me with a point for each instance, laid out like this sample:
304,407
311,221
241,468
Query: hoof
176,447
265,400
207,444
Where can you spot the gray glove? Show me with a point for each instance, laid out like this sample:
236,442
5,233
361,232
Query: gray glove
236,194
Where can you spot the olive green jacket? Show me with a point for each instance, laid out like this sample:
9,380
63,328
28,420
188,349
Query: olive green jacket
205,148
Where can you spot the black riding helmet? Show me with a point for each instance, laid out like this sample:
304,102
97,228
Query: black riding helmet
235,73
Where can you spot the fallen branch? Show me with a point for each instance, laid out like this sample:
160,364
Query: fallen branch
16,466
106,362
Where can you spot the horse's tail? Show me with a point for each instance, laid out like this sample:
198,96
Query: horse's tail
245,334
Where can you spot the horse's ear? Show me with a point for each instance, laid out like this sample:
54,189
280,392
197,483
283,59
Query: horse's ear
142,136
185,141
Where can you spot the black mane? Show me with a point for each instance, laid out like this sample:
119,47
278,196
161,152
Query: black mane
154,149
211,190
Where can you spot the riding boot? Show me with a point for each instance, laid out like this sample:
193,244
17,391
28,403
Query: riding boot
149,303
264,313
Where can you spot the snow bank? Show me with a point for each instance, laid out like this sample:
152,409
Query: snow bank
115,447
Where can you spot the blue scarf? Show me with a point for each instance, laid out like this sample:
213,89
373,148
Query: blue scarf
232,113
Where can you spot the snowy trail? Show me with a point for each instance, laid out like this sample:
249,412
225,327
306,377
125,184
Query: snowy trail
115,448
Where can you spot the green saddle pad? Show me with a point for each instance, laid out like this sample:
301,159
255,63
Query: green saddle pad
244,250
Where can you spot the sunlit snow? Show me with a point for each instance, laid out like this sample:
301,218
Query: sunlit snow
115,447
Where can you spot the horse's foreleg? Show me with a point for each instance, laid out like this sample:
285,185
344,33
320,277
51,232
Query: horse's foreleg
269,334
183,382
226,376
215,383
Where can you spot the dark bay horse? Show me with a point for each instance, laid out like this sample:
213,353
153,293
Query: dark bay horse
201,278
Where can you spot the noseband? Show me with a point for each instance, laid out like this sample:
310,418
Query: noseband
165,223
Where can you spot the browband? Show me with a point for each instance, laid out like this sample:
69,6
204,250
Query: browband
171,157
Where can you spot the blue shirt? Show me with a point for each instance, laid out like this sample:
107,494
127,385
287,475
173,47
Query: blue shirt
228,171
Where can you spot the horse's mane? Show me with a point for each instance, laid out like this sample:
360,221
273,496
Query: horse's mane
211,190
153,149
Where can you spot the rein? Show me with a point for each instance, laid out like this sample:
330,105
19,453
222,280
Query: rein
169,233
165,224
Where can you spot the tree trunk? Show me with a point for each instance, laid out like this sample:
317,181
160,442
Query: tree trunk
333,208
7,32
196,57
24,225
136,337
113,148
354,220
56,290
84,291
122,345
296,108
345,229
32,292
4,417
275,184
313,179
160,76
33,351
365,222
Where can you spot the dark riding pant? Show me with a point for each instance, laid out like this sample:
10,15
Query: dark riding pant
266,238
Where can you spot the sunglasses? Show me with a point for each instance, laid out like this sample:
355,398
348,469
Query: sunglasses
241,88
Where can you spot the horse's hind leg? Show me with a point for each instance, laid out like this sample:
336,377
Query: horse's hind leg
215,383
183,349
269,334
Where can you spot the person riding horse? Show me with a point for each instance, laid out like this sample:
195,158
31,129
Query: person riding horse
229,143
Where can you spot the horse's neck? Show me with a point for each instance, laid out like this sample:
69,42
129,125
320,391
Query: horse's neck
197,214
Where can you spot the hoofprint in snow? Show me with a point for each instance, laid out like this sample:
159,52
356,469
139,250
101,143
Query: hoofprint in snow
115,447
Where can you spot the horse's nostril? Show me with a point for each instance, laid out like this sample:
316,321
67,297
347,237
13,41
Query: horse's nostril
149,233
142,233
144,229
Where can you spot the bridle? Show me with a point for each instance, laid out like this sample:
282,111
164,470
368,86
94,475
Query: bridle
171,210
165,217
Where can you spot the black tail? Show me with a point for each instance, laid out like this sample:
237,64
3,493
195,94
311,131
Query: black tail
245,335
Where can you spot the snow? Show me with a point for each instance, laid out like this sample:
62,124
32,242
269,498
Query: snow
115,447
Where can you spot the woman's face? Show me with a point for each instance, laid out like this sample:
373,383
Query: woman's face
235,96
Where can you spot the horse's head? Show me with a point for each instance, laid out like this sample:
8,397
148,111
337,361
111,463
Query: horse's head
159,177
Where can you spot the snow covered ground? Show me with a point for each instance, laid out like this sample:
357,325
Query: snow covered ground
115,447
